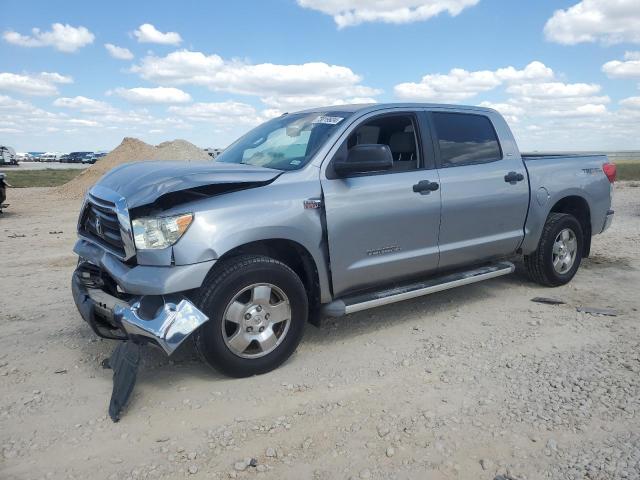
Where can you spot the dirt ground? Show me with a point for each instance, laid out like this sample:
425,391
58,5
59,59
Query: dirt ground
473,383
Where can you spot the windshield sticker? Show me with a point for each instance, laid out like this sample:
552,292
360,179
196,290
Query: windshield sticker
328,120
295,162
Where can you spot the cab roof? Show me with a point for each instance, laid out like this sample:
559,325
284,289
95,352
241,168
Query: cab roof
371,107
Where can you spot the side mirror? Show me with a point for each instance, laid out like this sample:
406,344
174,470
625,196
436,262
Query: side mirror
364,158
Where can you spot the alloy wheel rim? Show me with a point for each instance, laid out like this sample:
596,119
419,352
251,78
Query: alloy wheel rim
565,247
256,320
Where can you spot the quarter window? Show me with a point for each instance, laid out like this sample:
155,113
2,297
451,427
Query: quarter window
465,139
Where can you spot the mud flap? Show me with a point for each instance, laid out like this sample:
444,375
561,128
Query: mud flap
124,362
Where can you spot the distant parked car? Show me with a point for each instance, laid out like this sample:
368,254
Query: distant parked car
24,157
78,157
50,157
93,158
35,156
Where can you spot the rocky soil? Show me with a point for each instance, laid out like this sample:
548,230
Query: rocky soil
473,383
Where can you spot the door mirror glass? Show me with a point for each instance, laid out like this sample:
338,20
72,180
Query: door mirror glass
364,158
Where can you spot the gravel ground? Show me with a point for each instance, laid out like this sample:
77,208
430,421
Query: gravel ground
477,382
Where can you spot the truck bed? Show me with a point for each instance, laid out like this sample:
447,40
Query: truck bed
553,176
560,156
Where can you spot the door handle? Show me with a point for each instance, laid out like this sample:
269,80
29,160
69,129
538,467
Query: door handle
513,177
423,187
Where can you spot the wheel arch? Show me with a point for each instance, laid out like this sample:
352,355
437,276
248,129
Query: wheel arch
578,207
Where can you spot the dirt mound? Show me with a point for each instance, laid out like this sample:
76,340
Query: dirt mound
131,150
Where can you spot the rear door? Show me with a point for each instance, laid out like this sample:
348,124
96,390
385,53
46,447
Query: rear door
379,229
484,189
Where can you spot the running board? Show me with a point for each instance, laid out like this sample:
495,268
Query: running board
356,303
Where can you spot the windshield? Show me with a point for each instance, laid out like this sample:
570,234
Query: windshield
284,143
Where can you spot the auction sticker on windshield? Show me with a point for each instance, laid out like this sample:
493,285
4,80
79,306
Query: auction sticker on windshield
328,120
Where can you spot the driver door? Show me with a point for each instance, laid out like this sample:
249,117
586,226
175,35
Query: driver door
379,229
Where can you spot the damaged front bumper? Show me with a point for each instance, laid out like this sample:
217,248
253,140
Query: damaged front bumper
165,321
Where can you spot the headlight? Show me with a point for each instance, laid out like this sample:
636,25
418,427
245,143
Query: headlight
160,232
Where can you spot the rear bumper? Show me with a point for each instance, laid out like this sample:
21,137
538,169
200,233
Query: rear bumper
608,220
165,321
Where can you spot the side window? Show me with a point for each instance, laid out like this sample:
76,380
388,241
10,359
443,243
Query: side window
465,138
396,131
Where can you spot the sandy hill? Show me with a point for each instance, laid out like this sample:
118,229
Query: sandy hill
131,150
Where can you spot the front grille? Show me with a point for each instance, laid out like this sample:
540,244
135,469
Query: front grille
100,224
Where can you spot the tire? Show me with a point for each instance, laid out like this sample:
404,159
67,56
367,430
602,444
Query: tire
540,264
236,290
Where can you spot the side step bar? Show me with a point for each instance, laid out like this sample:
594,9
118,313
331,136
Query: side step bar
356,303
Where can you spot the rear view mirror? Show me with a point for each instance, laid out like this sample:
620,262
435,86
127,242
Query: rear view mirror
364,158
293,131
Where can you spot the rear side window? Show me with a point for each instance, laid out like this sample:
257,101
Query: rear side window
465,139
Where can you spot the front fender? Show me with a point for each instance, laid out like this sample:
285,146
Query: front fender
272,212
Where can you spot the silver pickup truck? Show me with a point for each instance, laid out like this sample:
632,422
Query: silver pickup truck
326,212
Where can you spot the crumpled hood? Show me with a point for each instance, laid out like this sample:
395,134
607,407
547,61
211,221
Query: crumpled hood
142,183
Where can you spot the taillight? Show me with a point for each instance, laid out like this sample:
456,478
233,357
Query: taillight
610,171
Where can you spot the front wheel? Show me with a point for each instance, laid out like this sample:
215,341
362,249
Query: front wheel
257,309
558,256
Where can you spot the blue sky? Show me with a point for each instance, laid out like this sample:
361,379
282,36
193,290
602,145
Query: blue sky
208,71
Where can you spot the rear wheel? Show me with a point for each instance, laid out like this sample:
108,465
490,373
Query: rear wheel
559,253
257,309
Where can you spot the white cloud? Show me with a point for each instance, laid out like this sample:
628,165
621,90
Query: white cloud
353,12
503,108
543,112
460,84
542,100
509,111
82,122
533,71
147,33
629,68
554,90
54,77
83,104
24,117
120,53
455,86
631,102
9,104
607,21
564,116
64,38
281,86
533,93
89,124
290,103
42,84
586,110
152,95
220,113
